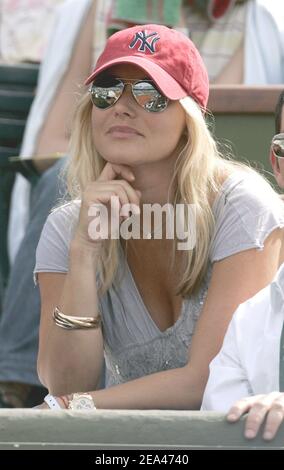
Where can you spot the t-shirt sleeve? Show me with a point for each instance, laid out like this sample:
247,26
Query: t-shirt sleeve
246,212
53,248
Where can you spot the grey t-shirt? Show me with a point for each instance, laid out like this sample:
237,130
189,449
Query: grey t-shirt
246,211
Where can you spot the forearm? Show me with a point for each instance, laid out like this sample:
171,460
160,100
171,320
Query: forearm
180,388
79,296
70,360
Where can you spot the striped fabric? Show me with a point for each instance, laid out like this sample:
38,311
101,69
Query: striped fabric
217,41
102,18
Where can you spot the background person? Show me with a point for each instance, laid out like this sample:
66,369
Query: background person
248,364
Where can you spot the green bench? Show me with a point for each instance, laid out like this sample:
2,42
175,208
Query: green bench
244,116
17,90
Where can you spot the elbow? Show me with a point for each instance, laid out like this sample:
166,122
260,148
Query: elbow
50,380
50,372
41,372
46,373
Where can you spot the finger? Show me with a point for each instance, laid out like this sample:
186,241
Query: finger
258,413
112,171
274,419
121,206
239,408
133,194
255,419
114,191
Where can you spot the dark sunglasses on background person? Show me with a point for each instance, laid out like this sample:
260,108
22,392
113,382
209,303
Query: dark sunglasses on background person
277,145
106,90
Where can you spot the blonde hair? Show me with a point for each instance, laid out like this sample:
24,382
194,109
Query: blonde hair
198,175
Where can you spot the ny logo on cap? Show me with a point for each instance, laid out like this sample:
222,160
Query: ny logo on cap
147,41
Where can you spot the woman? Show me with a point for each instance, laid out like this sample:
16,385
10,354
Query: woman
140,138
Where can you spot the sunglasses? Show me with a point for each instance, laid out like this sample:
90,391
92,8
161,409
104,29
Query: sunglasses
277,145
105,92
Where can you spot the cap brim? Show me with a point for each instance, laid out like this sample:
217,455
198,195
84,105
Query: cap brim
168,85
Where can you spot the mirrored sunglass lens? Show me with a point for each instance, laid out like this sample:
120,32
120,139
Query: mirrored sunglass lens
278,147
105,93
149,97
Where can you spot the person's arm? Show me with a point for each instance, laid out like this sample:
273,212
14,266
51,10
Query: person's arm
228,388
70,360
55,133
234,280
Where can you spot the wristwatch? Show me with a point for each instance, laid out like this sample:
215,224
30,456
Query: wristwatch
81,401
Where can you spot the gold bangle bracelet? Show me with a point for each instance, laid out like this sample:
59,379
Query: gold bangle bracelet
72,322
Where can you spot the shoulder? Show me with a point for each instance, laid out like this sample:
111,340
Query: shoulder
52,251
68,209
259,310
246,211
268,10
247,191
64,217
58,231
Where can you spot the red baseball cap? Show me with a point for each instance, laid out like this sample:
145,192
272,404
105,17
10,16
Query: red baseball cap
168,56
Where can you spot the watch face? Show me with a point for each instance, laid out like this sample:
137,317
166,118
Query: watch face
82,402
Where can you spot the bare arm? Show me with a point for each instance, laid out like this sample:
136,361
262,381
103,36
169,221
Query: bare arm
234,280
71,360
54,136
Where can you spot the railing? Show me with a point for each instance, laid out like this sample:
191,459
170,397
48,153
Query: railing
240,99
123,429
